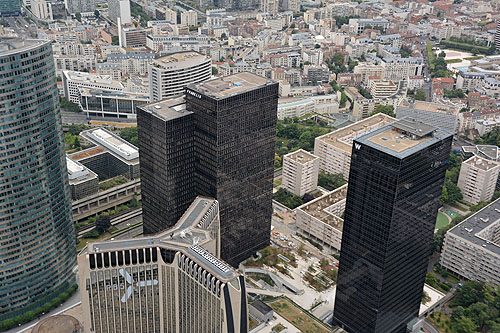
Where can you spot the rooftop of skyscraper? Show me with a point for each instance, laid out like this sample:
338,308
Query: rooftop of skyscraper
343,137
188,235
167,109
180,59
11,43
231,85
482,228
403,137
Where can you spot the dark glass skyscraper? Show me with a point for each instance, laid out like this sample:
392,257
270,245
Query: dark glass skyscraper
37,241
235,130
228,125
166,143
395,185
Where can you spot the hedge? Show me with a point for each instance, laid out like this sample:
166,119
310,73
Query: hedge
30,315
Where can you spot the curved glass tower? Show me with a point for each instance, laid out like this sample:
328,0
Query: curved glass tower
37,242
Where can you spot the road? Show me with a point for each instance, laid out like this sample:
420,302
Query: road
130,234
428,328
278,173
74,118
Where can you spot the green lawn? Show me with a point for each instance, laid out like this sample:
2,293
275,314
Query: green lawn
442,221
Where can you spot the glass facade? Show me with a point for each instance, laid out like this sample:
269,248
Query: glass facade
167,168
37,242
10,7
390,214
234,157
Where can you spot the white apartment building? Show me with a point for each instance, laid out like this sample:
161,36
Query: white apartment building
334,149
119,9
134,63
189,18
478,179
398,69
382,89
73,81
469,81
367,70
321,219
75,63
315,57
173,281
434,114
363,107
186,42
300,172
169,75
358,25
269,6
80,6
471,249
111,69
74,49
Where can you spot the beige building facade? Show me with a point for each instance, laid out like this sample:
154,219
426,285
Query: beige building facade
334,149
300,172
478,179
173,281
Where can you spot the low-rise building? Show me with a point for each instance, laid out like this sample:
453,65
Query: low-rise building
300,172
437,115
82,181
97,103
73,81
471,249
469,81
478,178
398,69
334,149
382,89
321,217
110,157
76,63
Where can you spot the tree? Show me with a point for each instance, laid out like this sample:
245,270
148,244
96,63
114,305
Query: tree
115,40
223,36
453,192
431,280
214,70
457,313
330,181
78,17
68,105
464,325
338,59
103,223
130,134
277,161
420,95
385,109
96,13
343,100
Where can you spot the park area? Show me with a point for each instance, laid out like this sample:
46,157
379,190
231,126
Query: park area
297,317
444,218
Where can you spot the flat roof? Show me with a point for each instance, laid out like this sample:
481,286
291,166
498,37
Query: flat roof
301,156
91,78
187,58
343,138
113,94
429,106
188,236
261,307
391,140
16,45
319,207
481,163
231,85
167,109
113,142
485,151
77,172
476,227
414,127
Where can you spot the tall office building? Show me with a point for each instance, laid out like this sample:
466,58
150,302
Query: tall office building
169,75
120,9
220,143
80,6
166,141
395,185
10,7
235,130
37,248
169,282
497,37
